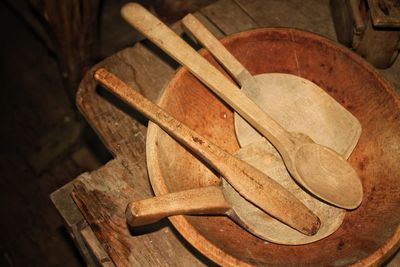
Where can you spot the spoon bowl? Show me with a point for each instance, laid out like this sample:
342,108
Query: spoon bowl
333,174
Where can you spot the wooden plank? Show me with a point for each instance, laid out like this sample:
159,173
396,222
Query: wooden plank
140,68
228,17
73,220
103,196
96,250
210,25
309,15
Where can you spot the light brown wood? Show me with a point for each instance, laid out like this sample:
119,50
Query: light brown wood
204,200
225,200
366,237
196,29
252,184
368,234
306,105
308,109
103,194
319,169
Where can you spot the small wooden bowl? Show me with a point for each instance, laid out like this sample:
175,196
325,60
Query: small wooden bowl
369,234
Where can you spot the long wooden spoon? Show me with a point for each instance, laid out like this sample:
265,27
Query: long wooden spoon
307,108
225,200
252,184
319,169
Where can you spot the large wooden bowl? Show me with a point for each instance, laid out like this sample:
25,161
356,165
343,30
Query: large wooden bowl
370,233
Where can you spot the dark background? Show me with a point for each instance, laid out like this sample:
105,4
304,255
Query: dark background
44,142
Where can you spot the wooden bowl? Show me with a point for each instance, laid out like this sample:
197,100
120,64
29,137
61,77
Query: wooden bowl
369,234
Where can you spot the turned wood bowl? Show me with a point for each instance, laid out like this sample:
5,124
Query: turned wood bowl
368,234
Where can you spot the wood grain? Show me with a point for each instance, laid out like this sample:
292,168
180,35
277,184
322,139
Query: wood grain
124,136
252,184
309,110
106,216
364,235
369,97
317,168
199,201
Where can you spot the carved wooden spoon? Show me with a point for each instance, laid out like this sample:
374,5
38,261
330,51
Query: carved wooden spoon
252,184
225,200
307,107
319,169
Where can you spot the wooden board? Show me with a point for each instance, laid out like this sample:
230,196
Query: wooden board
309,15
103,195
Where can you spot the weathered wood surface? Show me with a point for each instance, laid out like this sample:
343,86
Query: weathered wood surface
72,26
124,135
103,196
309,15
77,226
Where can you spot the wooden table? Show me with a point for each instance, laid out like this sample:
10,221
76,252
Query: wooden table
95,214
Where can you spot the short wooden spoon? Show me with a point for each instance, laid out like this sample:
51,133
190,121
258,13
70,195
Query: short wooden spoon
319,169
251,183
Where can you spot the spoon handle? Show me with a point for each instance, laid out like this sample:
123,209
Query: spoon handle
251,183
195,28
203,200
172,44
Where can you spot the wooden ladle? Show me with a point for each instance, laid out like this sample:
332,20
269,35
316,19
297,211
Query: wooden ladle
224,200
252,184
319,169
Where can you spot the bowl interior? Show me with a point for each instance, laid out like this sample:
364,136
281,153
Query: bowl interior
349,80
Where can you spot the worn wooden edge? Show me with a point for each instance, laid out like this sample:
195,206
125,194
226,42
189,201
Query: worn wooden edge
54,143
384,253
73,220
96,248
191,234
179,221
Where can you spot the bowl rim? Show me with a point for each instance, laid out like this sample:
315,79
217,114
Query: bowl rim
188,232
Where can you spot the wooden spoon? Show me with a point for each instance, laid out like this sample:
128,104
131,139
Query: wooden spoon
252,184
225,200
319,169
306,105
